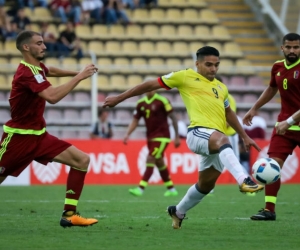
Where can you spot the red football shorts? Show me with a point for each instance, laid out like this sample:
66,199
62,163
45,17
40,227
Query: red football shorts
157,147
18,151
281,146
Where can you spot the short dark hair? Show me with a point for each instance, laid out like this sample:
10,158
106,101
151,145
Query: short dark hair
24,37
207,51
291,37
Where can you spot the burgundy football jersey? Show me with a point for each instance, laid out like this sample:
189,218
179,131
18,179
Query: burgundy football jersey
26,107
287,79
155,113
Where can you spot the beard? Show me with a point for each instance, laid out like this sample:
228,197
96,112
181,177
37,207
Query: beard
292,59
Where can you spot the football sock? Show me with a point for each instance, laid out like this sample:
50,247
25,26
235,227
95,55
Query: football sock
232,164
147,174
271,195
192,197
75,184
165,176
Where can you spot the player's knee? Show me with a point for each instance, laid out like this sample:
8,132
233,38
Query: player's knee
84,162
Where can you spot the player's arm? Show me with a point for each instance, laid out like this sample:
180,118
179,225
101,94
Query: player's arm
175,126
132,126
283,126
234,122
55,94
56,72
264,98
142,88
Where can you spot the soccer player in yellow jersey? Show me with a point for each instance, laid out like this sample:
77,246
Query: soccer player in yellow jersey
206,101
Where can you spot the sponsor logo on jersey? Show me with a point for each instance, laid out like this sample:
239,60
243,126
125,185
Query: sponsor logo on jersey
197,79
2,169
296,74
39,78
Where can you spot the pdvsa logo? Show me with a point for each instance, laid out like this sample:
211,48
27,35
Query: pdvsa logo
289,168
46,174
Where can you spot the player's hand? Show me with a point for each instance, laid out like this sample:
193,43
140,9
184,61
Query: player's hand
282,127
88,71
248,142
111,101
247,119
125,139
177,142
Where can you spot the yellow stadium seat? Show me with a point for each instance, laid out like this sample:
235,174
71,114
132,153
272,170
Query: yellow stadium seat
146,48
232,49
164,3
190,15
34,27
84,62
189,63
174,64
100,31
133,80
181,48
105,64
163,48
139,65
203,31
177,3
244,67
216,45
103,82
55,81
53,29
85,84
168,31
174,15
117,31
41,14
52,62
10,48
130,48
151,31
198,3
122,65
14,63
185,31
157,65
9,79
61,27
4,65
84,31
208,16
118,82
226,67
96,47
194,46
112,47
157,15
140,15
69,63
220,33
134,31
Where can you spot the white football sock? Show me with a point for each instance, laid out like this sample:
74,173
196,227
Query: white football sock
230,162
191,199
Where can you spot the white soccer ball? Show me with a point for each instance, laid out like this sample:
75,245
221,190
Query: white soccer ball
266,171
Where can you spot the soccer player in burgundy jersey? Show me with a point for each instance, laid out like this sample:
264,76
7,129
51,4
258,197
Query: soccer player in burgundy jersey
25,137
155,109
285,77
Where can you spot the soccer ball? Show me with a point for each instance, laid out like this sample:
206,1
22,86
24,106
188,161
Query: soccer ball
266,171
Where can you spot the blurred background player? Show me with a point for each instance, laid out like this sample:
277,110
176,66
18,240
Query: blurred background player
103,127
285,78
155,109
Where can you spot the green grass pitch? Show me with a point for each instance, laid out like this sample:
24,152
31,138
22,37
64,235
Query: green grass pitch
30,220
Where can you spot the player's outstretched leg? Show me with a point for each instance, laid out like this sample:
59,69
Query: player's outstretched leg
138,191
249,186
176,219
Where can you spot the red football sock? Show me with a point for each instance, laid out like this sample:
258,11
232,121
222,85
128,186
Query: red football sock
75,184
271,195
147,175
164,173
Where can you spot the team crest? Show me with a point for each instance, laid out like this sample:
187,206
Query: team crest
220,87
2,169
296,74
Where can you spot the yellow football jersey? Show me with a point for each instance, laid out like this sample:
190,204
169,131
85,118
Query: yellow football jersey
229,130
204,100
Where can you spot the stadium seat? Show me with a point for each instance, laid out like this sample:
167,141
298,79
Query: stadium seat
139,65
140,15
134,31
4,83
130,48
151,31
100,31
123,116
185,32
157,65
226,67
177,3
255,81
101,97
116,31
9,80
232,49
191,16
267,115
244,67
122,65
157,15
68,98
84,62
220,32
146,48
173,15
163,48
53,29
112,48
118,82
216,45
69,63
4,65
83,134
250,98
96,47
168,31
52,62
84,31
194,46
203,32
85,84
68,134
71,116
2,94
237,81
181,48
14,63
41,14
208,16
4,115
103,83
133,80
10,48
189,63
197,4
55,81
53,116
174,64
105,64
